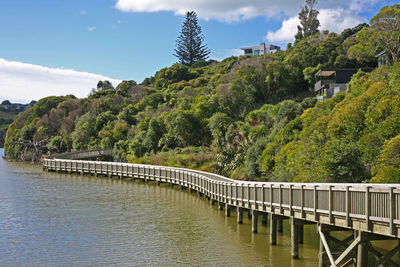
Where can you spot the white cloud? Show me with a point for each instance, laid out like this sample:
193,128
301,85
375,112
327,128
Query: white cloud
334,20
361,5
222,10
238,10
91,28
286,33
221,54
26,82
83,12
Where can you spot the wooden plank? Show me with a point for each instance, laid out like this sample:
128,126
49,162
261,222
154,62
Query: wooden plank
348,250
326,246
388,255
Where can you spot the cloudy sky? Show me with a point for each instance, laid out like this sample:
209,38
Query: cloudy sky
56,47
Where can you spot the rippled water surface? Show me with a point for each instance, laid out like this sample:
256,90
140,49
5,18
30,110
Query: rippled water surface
52,219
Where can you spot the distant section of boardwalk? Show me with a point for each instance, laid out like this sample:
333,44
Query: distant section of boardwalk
366,211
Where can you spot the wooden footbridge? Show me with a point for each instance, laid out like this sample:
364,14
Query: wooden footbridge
366,212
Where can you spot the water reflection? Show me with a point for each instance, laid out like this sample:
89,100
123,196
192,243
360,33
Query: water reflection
60,219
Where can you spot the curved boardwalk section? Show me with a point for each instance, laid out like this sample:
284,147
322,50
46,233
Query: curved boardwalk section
366,212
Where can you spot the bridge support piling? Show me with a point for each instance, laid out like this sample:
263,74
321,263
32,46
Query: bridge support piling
301,232
227,210
294,237
362,250
254,222
239,215
220,205
280,224
264,220
249,214
272,229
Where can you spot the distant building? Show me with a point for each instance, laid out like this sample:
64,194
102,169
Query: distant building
383,59
261,49
329,82
7,105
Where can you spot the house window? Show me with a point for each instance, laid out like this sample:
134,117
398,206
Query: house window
256,52
336,90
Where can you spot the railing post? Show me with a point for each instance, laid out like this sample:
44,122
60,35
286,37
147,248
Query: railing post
263,196
280,199
316,217
242,189
302,201
255,196
291,200
237,194
248,196
231,190
330,203
348,206
392,210
226,192
367,208
271,197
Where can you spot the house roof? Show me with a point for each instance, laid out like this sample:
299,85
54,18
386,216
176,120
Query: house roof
325,73
383,52
342,75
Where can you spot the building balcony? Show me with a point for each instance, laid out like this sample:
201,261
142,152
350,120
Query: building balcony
322,84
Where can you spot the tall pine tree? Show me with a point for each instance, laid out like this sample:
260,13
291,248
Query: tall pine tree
189,45
309,22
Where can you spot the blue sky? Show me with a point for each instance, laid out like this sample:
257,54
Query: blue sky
52,47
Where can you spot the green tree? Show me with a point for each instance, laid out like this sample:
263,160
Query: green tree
56,144
363,47
189,46
104,85
387,25
309,22
173,74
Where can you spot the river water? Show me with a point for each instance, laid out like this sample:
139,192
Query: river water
51,219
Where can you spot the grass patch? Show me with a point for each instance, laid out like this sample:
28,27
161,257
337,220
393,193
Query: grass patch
196,158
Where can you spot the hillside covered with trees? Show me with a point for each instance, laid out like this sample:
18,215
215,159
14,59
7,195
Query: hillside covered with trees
248,117
8,112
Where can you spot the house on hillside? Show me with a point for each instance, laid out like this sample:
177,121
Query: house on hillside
329,82
383,59
261,49
8,106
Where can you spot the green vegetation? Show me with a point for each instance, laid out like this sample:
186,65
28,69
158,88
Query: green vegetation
350,138
8,112
248,117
